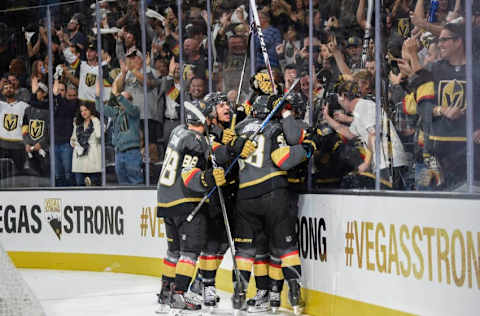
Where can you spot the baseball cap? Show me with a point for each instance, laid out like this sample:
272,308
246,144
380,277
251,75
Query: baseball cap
92,45
132,52
354,41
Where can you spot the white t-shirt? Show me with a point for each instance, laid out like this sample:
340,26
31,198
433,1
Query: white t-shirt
11,115
363,124
88,81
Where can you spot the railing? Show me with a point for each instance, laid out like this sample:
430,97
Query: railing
420,134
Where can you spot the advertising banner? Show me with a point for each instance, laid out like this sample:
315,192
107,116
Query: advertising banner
407,254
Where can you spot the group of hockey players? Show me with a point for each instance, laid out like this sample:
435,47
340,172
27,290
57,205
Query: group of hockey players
252,174
257,164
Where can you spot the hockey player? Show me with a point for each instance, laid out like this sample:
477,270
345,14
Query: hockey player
225,149
185,176
267,268
262,202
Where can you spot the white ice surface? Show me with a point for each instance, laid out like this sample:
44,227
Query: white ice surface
80,293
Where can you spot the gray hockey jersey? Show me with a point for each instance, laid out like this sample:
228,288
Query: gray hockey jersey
181,179
266,168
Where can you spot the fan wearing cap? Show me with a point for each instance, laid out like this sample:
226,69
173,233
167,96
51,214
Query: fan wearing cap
353,49
35,130
131,80
126,134
88,75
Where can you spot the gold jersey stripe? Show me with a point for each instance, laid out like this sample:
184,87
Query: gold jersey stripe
180,201
262,179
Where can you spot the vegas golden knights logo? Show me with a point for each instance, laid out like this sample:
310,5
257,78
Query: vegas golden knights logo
452,93
36,129
53,213
10,122
403,27
90,79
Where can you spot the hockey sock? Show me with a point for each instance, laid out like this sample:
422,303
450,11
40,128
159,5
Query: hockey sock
275,273
245,267
184,273
260,270
219,260
291,267
207,265
169,268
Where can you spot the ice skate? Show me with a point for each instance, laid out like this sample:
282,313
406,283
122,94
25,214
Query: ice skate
274,301
209,297
164,298
196,289
181,301
259,303
295,296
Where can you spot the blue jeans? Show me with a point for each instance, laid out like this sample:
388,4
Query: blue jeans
128,167
63,165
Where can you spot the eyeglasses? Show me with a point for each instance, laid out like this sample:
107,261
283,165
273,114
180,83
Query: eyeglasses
444,39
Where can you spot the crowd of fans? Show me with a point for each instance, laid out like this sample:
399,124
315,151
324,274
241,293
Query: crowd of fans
423,141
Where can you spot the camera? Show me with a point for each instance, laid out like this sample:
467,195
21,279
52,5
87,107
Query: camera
332,100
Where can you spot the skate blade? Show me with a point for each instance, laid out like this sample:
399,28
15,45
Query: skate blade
209,309
237,312
298,310
184,312
275,310
163,309
254,309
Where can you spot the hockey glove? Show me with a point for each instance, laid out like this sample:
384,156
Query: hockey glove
228,135
219,176
212,177
431,173
248,149
241,146
314,139
309,148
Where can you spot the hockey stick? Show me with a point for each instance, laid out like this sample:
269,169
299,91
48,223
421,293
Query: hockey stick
366,37
256,19
252,137
202,118
244,67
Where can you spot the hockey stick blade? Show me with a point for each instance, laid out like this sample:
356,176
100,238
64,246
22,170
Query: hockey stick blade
192,108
